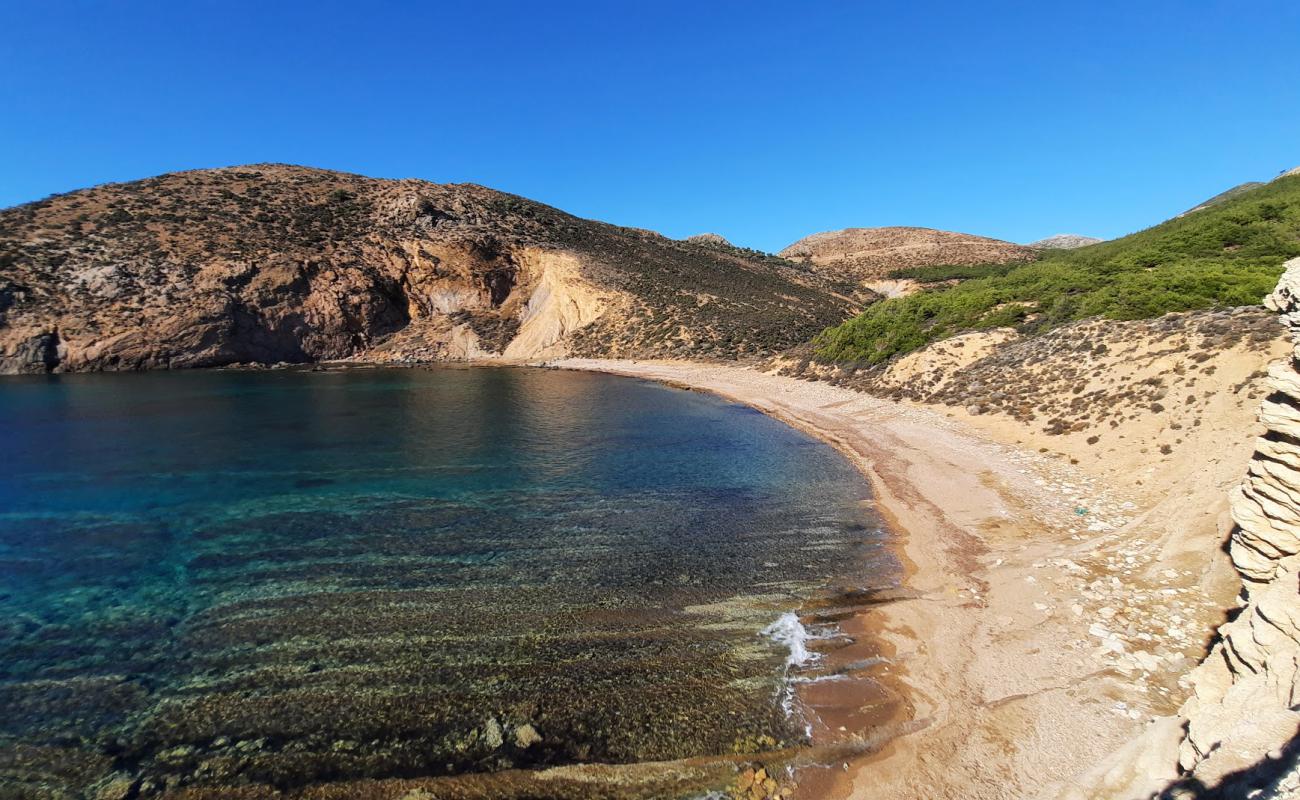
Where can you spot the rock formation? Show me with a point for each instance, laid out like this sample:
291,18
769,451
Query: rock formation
1243,717
270,263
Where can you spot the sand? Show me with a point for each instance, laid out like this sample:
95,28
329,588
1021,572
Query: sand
1052,607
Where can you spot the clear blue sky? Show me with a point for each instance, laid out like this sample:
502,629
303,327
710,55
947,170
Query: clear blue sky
760,121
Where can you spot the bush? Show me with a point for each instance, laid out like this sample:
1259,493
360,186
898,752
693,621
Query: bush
1227,255
940,273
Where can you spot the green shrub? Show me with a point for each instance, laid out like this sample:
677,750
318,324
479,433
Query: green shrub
1227,255
939,273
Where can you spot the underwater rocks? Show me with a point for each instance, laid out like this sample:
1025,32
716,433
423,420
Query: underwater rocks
755,783
1243,717
344,606
313,647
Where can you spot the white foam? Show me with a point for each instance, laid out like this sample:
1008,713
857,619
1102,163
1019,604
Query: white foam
789,631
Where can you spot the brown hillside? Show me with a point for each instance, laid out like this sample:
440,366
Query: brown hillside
271,263
868,255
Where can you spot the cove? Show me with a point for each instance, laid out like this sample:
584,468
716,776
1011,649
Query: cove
291,578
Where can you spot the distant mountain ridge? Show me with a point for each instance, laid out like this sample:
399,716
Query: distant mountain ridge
1064,241
709,238
1224,196
1239,189
868,256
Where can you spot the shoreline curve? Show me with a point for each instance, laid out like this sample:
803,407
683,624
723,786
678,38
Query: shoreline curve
1007,693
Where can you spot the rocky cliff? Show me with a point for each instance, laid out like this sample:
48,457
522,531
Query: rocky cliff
1244,715
276,263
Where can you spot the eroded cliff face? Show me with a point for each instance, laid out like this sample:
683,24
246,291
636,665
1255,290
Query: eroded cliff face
1243,717
273,263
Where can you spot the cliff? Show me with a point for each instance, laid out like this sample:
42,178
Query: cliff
275,263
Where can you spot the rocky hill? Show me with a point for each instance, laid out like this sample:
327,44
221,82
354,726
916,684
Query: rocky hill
1064,241
275,263
869,255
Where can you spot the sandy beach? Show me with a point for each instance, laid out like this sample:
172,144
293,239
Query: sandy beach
1051,607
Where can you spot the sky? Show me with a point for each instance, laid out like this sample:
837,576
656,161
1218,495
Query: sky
761,121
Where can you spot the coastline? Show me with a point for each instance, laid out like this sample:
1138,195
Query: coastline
1003,660
1009,553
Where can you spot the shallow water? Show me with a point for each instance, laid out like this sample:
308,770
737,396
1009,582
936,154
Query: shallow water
286,578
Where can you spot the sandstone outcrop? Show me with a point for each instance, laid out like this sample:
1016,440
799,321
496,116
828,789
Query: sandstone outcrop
1243,717
274,263
1236,735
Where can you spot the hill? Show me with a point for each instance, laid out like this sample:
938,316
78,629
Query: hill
1064,241
1235,191
275,263
869,256
1228,254
709,238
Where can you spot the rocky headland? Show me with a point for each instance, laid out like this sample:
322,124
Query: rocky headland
274,263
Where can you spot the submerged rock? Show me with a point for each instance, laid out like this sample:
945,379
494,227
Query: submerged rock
118,787
492,734
526,736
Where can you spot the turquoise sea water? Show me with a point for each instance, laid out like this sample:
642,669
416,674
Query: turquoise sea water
286,579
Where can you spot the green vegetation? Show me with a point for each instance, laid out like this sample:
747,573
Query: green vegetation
1227,255
939,273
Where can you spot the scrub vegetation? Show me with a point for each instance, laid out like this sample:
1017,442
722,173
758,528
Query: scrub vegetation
1229,254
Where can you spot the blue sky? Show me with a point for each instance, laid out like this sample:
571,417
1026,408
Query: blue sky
761,121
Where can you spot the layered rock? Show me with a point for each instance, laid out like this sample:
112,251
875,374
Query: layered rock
1242,720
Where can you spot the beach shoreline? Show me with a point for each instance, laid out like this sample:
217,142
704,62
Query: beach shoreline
993,642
